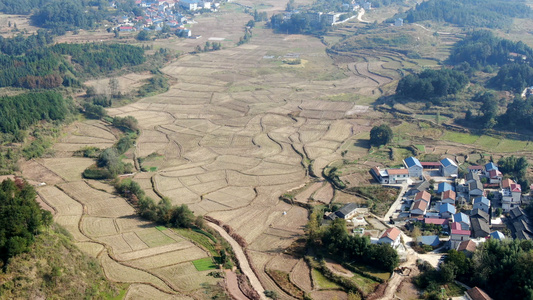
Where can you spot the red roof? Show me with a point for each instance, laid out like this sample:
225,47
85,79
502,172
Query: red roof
495,173
506,183
467,245
391,233
476,293
397,171
455,225
436,221
475,168
420,204
449,194
461,232
515,187
126,27
430,164
423,195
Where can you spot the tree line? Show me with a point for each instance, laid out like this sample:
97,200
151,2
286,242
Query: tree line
469,13
430,84
20,112
500,268
335,241
21,218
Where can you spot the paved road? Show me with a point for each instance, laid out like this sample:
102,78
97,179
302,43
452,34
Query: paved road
243,260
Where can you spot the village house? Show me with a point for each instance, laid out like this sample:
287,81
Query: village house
446,210
520,225
448,197
414,166
482,203
480,214
490,167
467,247
441,222
479,227
391,237
494,176
448,168
463,220
431,240
476,169
458,235
423,195
191,5
443,187
390,176
475,188
511,195
419,187
419,208
476,293
346,212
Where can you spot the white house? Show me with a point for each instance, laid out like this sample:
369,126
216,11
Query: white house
189,4
511,195
482,203
391,236
390,175
414,166
448,168
495,176
398,22
458,235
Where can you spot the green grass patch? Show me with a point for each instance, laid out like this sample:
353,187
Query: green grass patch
510,146
371,271
204,264
421,148
322,282
121,294
198,238
454,290
458,137
487,142
152,169
366,284
160,228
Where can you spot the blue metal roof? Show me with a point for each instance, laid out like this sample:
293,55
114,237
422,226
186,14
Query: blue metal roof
447,207
483,200
491,166
432,240
461,217
412,161
497,235
444,186
447,162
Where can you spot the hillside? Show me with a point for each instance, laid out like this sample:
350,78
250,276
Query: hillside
55,268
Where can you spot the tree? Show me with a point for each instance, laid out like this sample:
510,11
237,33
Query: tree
380,135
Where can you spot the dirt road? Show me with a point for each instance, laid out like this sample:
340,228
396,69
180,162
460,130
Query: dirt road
243,260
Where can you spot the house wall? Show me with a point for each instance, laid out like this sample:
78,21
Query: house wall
415,171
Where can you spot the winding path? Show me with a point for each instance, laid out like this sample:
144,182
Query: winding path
244,264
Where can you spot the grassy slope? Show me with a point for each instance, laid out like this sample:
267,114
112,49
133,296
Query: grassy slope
55,269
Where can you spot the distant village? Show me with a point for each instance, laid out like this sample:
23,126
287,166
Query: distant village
160,13
460,212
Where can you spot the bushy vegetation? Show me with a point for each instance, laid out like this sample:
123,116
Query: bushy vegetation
55,268
516,168
21,218
335,241
20,112
379,199
500,268
380,135
95,59
482,48
513,77
29,63
430,84
470,13
156,84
